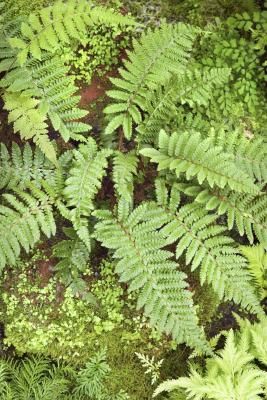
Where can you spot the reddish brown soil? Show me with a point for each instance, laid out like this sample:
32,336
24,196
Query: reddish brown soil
96,89
45,270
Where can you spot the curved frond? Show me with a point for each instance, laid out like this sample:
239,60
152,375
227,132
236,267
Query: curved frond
148,269
197,157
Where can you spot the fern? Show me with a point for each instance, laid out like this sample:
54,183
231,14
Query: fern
257,264
191,87
124,169
147,268
32,378
60,24
73,255
91,379
81,186
206,247
197,157
253,338
229,375
249,154
170,46
22,166
23,217
247,212
29,121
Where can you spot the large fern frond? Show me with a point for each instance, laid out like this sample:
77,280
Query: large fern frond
83,182
207,247
59,24
170,46
148,269
197,157
23,217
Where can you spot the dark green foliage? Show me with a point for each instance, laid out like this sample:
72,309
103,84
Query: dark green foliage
32,378
74,256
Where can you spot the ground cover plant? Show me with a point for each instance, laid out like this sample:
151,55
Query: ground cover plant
133,203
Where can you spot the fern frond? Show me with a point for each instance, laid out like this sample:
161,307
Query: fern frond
257,265
247,212
147,268
168,386
59,24
23,165
73,255
249,154
197,157
29,120
231,374
124,169
37,378
192,87
48,81
206,247
170,46
91,379
253,336
83,182
23,217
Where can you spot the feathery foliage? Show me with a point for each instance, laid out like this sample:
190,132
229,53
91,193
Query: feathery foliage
84,180
254,338
21,166
147,268
32,378
170,46
206,246
257,264
73,255
192,87
23,217
60,24
197,157
231,374
124,169
246,212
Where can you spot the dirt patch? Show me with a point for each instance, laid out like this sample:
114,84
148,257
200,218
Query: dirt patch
96,89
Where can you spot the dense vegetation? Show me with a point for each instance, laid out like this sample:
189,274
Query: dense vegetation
133,211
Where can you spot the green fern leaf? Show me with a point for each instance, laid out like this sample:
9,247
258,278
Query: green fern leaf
124,168
23,217
205,246
23,165
170,46
190,154
147,268
60,24
84,181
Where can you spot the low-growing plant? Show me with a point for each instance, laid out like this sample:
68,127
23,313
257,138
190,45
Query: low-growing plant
232,373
